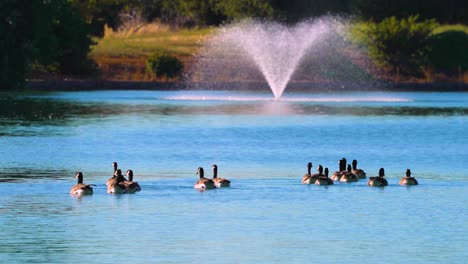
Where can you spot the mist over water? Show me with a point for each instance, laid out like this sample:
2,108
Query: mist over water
258,51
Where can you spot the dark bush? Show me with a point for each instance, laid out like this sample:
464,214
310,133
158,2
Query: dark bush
400,43
449,50
160,64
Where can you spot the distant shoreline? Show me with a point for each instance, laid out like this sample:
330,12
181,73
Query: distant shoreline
91,85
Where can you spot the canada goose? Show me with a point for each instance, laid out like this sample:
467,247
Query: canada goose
341,170
203,183
116,185
80,188
219,182
358,172
408,180
323,179
306,178
379,180
348,176
130,186
111,180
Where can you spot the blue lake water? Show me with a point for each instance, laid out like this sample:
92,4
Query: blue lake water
263,147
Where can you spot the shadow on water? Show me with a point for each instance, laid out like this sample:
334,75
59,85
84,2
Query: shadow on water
25,174
17,113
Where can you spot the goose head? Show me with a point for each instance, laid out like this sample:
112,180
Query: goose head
201,172
320,169
326,172
119,176
130,175
114,165
381,172
79,176
408,173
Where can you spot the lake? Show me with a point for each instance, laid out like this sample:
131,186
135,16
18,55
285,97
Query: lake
261,145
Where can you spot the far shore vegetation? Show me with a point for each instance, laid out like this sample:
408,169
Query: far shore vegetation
420,41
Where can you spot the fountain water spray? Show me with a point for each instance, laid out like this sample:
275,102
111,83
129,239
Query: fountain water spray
276,50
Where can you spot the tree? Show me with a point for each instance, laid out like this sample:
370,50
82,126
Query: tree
238,9
400,43
448,51
49,33
447,11
27,36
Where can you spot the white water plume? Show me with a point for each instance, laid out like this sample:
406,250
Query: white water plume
274,49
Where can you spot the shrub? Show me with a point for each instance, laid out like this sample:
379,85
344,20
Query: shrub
160,64
449,50
400,43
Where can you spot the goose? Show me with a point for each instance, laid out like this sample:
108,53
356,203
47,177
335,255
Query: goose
358,172
116,185
219,182
348,176
112,179
80,188
203,183
341,170
408,180
307,178
130,186
323,179
379,181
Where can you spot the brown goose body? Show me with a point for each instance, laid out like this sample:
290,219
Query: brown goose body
112,179
308,178
408,180
360,174
348,176
130,186
219,182
378,181
116,185
80,188
203,183
336,176
324,180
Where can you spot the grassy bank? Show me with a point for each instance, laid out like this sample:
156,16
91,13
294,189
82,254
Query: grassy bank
122,55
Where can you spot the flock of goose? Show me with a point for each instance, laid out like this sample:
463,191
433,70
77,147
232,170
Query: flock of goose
346,173
118,184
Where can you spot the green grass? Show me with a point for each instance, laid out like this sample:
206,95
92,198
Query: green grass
148,39
457,27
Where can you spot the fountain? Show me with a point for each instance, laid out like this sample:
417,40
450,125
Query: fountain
243,50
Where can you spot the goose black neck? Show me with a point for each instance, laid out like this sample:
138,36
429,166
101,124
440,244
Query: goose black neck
342,165
309,168
114,164
381,172
326,172
130,175
215,172
80,178
354,164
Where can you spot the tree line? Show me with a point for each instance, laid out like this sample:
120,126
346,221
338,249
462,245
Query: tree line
56,35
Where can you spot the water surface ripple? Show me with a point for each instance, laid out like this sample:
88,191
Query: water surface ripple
262,146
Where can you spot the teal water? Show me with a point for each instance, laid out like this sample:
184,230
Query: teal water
263,147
